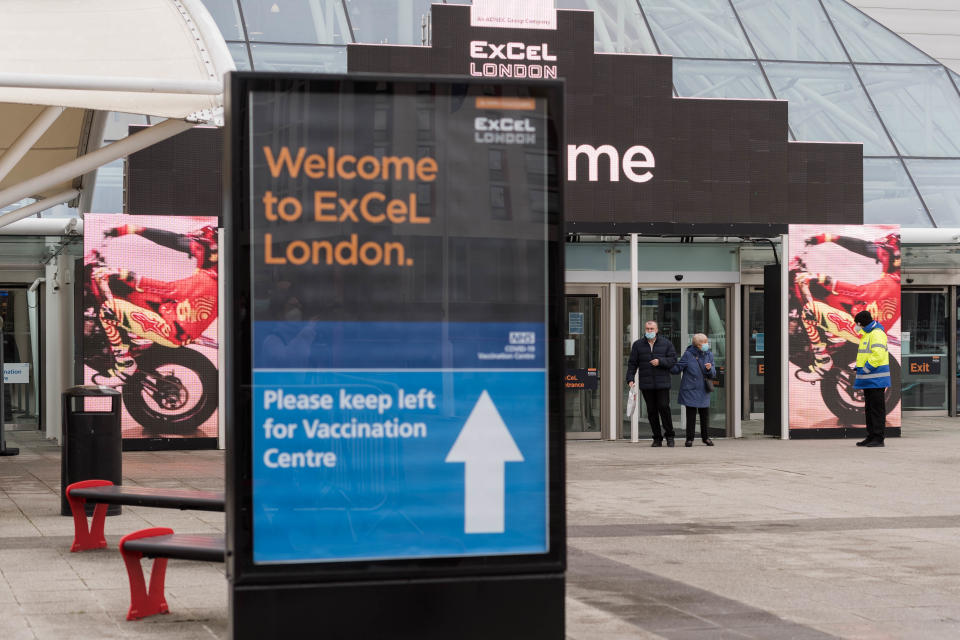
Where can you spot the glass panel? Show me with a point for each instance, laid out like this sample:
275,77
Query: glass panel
283,57
663,307
60,211
938,184
658,256
20,394
888,196
790,30
756,351
116,126
697,29
707,314
919,105
827,103
618,25
227,17
582,360
108,189
394,22
719,79
590,256
867,40
313,22
241,57
924,341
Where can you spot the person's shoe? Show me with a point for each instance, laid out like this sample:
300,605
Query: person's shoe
688,443
865,442
669,442
657,443
875,443
708,442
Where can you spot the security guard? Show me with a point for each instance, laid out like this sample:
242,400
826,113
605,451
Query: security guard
873,376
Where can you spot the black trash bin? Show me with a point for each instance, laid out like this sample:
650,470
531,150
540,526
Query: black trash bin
92,447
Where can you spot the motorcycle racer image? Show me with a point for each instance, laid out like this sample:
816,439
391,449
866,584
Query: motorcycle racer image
830,304
169,313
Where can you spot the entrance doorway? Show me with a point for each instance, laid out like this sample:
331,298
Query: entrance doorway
681,312
584,375
20,313
925,344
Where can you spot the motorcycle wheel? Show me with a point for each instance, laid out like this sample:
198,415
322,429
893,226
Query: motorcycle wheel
844,401
174,391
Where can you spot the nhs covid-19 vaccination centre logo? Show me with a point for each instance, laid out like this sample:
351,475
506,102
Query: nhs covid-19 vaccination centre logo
520,346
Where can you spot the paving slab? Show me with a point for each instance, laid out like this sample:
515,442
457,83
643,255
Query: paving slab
753,538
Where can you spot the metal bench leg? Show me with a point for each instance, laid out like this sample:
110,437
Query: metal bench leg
87,537
145,603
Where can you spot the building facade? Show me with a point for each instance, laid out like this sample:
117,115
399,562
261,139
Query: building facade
846,78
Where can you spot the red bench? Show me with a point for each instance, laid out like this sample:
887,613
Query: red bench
89,534
159,543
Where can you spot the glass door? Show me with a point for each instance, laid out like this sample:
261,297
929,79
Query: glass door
663,306
20,386
583,363
707,314
755,344
924,363
679,313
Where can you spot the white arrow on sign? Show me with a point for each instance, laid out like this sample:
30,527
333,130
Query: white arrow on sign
484,445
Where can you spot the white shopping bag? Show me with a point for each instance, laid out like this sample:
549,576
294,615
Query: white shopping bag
631,401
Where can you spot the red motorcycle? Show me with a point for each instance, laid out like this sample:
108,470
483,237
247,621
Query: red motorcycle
836,385
174,390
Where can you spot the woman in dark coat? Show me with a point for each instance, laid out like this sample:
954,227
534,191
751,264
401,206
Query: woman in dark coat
696,365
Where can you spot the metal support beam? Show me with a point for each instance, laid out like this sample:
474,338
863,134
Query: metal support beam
38,206
89,162
99,83
27,139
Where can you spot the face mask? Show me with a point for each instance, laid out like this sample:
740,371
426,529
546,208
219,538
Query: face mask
705,346
650,335
293,315
858,327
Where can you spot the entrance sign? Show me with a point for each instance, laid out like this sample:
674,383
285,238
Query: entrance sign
398,400
638,159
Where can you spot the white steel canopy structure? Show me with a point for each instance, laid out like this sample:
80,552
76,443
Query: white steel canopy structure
65,63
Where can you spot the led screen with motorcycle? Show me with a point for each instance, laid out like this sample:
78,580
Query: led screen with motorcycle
836,271
149,320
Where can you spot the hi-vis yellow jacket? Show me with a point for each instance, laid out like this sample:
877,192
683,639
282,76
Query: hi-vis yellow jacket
873,360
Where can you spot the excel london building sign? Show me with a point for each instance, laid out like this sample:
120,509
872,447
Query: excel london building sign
634,153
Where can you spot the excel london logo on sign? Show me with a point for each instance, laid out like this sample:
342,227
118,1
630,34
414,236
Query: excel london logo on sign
511,60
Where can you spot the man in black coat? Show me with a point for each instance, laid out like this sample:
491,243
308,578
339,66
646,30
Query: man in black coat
651,358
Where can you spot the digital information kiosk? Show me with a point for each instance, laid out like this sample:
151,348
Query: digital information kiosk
395,391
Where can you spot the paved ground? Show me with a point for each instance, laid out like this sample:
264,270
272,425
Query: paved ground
753,538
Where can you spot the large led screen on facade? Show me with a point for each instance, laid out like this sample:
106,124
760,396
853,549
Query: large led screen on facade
149,320
836,271
638,159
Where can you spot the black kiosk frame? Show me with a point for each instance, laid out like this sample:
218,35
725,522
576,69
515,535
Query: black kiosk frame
509,595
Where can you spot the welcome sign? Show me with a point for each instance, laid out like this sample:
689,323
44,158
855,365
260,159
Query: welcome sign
398,244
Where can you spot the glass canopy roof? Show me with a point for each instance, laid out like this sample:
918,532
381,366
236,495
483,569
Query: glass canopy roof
847,77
